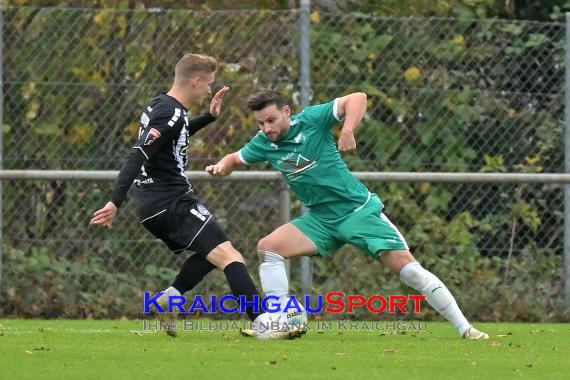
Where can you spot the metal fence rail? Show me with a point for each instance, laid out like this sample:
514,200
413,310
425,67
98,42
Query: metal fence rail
106,175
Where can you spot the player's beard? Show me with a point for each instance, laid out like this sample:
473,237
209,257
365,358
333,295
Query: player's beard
279,135
274,137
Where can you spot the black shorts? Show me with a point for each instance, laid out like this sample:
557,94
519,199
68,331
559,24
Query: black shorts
186,224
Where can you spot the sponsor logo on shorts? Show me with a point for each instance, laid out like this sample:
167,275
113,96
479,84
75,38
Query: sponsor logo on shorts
203,210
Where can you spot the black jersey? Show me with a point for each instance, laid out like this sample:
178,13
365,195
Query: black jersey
158,161
163,139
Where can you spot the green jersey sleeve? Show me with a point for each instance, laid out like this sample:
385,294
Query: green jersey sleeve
254,150
323,115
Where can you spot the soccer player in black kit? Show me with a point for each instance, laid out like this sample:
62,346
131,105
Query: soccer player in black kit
163,195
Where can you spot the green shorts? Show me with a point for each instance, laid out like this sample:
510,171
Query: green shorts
366,228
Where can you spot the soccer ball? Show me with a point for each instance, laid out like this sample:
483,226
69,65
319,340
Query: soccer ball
268,321
293,317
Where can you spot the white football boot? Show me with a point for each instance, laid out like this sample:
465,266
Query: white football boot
473,334
166,316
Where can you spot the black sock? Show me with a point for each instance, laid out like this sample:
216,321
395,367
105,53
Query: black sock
241,284
192,272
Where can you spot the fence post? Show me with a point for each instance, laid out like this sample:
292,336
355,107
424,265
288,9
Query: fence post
1,132
305,66
567,167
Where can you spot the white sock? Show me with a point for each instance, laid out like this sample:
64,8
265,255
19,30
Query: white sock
273,275
172,291
437,294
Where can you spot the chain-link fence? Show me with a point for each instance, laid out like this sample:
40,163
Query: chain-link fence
444,95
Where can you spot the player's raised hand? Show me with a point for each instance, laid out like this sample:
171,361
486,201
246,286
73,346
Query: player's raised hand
105,216
216,103
346,142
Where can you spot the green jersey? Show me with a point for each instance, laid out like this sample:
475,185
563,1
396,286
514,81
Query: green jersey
309,161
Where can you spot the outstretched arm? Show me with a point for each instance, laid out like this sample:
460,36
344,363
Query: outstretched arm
225,166
352,107
131,168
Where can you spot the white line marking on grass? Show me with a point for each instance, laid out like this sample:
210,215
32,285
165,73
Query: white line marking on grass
16,330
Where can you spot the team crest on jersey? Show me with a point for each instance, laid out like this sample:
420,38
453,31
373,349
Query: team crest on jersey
152,136
202,210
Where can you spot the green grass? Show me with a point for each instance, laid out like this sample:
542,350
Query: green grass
84,349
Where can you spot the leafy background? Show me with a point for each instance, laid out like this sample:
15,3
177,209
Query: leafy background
466,87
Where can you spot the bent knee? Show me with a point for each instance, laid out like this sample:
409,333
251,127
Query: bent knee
267,244
397,259
223,255
233,255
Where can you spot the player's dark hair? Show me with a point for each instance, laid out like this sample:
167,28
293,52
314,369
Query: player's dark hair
264,98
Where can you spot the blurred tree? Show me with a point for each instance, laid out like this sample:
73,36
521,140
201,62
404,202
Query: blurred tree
510,9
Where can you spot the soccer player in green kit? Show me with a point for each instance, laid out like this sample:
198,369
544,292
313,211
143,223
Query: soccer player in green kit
342,210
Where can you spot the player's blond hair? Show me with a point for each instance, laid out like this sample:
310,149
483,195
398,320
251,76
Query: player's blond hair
193,64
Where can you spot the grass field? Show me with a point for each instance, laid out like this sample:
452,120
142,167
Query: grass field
87,349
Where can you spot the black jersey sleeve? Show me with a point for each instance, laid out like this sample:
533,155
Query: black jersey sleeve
194,125
161,128
156,130
127,175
